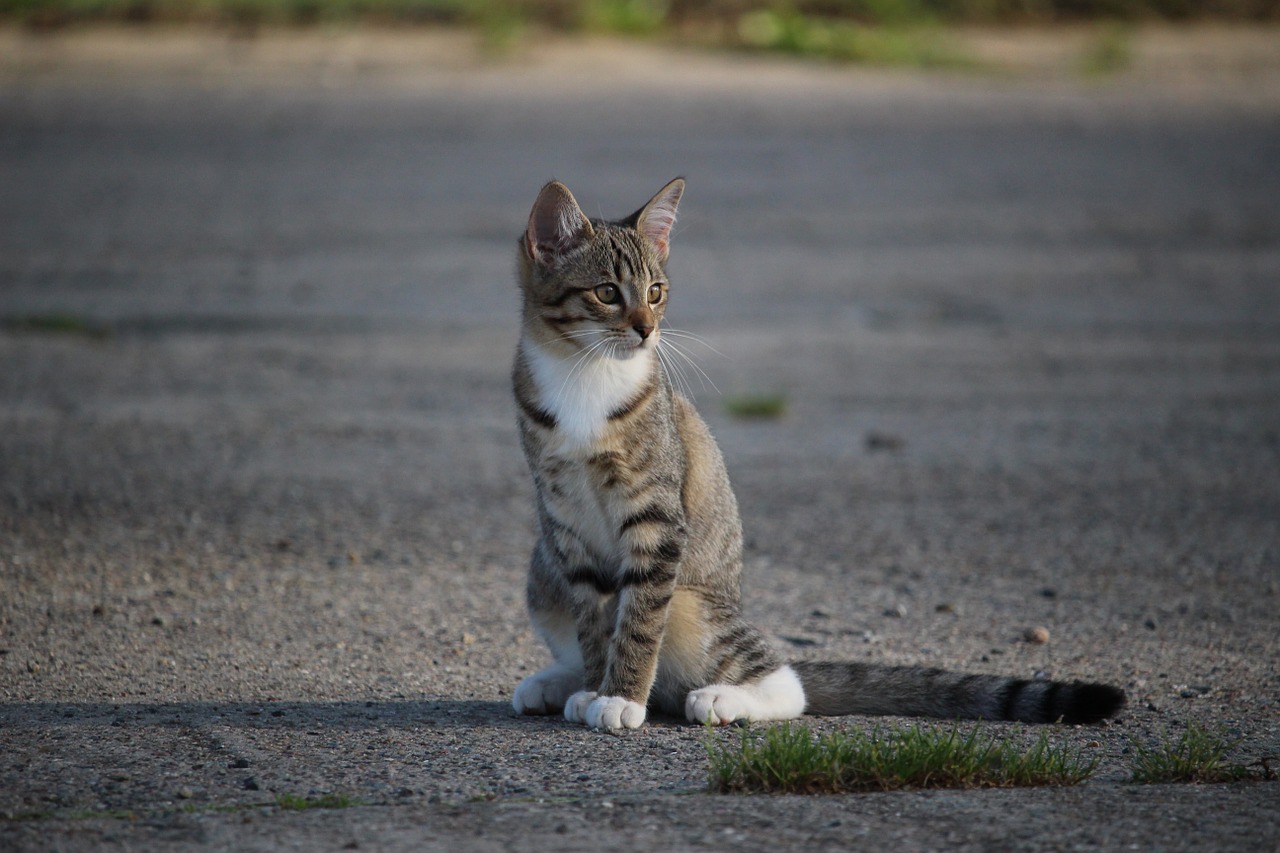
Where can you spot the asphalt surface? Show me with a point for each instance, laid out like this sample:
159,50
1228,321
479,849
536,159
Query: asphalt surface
263,516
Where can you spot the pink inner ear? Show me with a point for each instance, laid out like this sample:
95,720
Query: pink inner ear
658,218
658,223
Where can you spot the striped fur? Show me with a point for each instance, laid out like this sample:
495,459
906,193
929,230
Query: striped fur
634,581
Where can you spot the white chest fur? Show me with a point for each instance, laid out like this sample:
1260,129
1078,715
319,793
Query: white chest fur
581,392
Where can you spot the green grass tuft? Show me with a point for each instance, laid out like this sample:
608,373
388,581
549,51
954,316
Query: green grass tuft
756,405
1198,756
790,759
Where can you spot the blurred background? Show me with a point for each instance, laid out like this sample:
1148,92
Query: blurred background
948,261
802,26
987,326
913,33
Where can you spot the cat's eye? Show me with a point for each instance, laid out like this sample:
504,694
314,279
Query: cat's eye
608,294
655,294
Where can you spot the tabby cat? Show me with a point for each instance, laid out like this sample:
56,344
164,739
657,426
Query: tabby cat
634,583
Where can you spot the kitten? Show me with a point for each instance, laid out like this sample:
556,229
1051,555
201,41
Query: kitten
634,583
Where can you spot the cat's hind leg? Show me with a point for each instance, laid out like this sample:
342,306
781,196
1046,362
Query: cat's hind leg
777,696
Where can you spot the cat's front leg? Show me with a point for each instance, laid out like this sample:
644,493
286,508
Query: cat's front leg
592,621
647,584
568,615
547,691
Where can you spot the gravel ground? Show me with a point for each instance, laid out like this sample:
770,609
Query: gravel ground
263,517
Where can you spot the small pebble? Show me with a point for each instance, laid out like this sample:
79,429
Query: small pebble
1038,635
185,793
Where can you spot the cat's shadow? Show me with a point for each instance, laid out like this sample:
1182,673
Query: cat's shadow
287,714
273,714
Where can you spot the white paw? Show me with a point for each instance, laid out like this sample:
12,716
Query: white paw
575,707
545,692
777,696
719,704
614,712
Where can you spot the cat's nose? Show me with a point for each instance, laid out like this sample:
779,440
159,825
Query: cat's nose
644,330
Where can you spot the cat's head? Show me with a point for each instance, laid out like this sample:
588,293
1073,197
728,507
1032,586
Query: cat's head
595,285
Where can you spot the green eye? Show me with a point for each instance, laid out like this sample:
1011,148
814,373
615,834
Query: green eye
655,294
608,294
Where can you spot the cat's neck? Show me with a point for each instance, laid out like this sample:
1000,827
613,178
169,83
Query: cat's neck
580,392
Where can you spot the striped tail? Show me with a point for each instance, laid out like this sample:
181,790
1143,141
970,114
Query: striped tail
832,688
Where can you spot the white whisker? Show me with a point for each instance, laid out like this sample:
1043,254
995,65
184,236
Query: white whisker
581,362
585,334
703,378
683,335
677,378
673,358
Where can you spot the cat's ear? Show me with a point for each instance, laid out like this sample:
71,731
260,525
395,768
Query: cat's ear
655,219
556,225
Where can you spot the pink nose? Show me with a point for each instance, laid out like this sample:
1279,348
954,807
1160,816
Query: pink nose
644,330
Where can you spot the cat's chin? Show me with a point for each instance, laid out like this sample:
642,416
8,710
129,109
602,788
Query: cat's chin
626,353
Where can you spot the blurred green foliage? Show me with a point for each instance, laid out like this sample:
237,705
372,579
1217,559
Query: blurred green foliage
894,42
640,16
1111,52
908,33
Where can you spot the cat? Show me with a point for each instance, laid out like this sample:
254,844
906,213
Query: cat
634,583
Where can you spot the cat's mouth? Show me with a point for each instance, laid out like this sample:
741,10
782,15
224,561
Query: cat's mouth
624,346
630,346
627,350
618,346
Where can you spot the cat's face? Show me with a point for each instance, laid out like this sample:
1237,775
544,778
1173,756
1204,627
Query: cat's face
596,287
607,297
